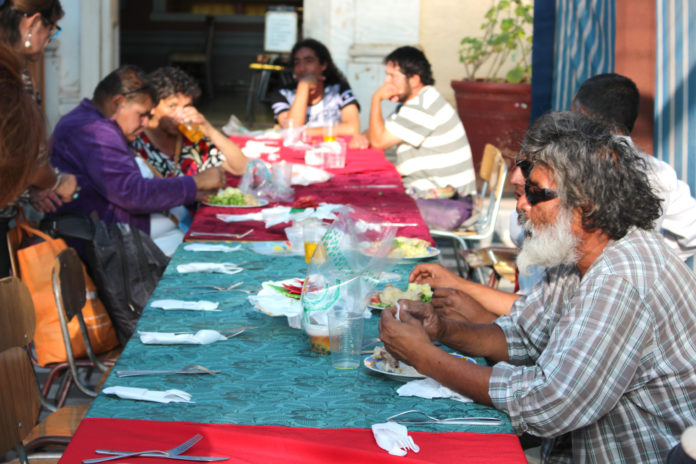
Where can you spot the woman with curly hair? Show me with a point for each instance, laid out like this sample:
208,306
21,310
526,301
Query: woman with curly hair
162,145
321,95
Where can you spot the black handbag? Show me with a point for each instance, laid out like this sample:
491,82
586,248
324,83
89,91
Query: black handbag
123,261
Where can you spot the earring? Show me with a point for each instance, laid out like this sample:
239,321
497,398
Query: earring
27,43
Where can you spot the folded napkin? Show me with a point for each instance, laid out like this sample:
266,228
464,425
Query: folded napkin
221,268
200,305
429,388
307,175
394,438
254,149
270,302
202,337
240,217
210,247
132,393
282,214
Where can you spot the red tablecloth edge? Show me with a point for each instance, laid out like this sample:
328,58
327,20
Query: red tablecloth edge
271,444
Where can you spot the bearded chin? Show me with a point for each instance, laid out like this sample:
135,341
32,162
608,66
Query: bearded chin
548,246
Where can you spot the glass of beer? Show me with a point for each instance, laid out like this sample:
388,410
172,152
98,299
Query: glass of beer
191,131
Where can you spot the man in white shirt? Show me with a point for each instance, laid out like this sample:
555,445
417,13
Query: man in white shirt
433,151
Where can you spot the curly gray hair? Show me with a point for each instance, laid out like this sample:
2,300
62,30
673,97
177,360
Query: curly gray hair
601,174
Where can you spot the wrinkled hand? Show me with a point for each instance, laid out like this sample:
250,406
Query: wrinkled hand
67,187
358,142
44,200
211,179
190,115
435,275
458,305
403,339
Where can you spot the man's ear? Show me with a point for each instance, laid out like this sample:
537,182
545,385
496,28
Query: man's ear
114,103
415,82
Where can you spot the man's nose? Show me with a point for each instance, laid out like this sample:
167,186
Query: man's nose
516,178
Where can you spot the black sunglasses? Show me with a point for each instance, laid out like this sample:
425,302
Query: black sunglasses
526,166
535,194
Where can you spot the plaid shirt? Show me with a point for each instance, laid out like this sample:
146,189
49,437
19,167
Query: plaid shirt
603,367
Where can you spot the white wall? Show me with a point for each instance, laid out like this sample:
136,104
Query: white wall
85,52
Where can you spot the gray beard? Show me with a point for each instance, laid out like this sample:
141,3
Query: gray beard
548,246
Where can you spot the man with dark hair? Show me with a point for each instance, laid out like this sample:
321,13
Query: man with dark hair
92,142
598,358
432,149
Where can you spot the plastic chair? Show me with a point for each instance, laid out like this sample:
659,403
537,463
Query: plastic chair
19,393
203,59
481,226
71,296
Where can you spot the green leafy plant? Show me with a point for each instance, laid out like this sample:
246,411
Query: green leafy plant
507,38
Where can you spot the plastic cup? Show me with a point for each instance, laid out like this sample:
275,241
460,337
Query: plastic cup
313,234
191,131
318,338
330,132
336,155
292,134
315,156
282,173
345,337
295,236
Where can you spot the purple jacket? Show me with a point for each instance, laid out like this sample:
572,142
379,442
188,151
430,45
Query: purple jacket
92,146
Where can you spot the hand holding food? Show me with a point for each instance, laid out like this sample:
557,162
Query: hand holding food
391,295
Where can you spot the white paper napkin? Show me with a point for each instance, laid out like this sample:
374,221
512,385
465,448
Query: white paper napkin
202,337
210,247
271,302
254,149
220,268
132,393
394,438
430,388
307,175
239,217
201,305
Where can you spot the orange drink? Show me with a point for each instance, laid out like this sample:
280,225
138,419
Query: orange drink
191,131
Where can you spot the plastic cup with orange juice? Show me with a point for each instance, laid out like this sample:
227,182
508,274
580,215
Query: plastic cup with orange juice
191,131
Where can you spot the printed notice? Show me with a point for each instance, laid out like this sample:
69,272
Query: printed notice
281,31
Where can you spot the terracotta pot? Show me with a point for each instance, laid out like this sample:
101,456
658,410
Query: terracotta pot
493,112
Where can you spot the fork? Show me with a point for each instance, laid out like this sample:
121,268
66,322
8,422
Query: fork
190,369
477,420
177,450
220,234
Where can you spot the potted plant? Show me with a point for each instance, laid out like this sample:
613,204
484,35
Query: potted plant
494,98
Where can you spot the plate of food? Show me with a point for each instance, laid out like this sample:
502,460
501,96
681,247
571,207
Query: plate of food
382,362
391,294
412,248
231,197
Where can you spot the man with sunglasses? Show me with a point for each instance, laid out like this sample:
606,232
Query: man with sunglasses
597,359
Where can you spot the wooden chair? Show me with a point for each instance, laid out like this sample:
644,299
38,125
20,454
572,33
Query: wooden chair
71,296
20,403
481,226
202,59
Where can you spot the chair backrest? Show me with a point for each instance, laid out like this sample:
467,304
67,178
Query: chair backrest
70,292
17,318
19,393
14,241
486,225
487,167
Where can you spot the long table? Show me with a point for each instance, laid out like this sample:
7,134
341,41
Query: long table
274,400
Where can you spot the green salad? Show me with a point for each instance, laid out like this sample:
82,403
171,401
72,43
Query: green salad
231,196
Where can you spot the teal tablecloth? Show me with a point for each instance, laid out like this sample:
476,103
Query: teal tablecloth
269,375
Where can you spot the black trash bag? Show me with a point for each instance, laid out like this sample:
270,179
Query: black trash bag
124,263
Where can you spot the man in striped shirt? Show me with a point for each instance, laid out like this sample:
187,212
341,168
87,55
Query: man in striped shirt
432,149
598,359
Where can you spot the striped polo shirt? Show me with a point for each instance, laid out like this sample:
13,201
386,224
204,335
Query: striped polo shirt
435,151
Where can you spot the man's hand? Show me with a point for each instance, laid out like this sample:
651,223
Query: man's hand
457,305
387,92
211,179
359,142
435,275
403,339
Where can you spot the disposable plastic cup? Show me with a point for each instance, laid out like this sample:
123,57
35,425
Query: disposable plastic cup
282,173
191,131
336,156
329,132
318,338
313,234
345,337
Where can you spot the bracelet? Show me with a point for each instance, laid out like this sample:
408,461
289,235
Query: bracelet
59,178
